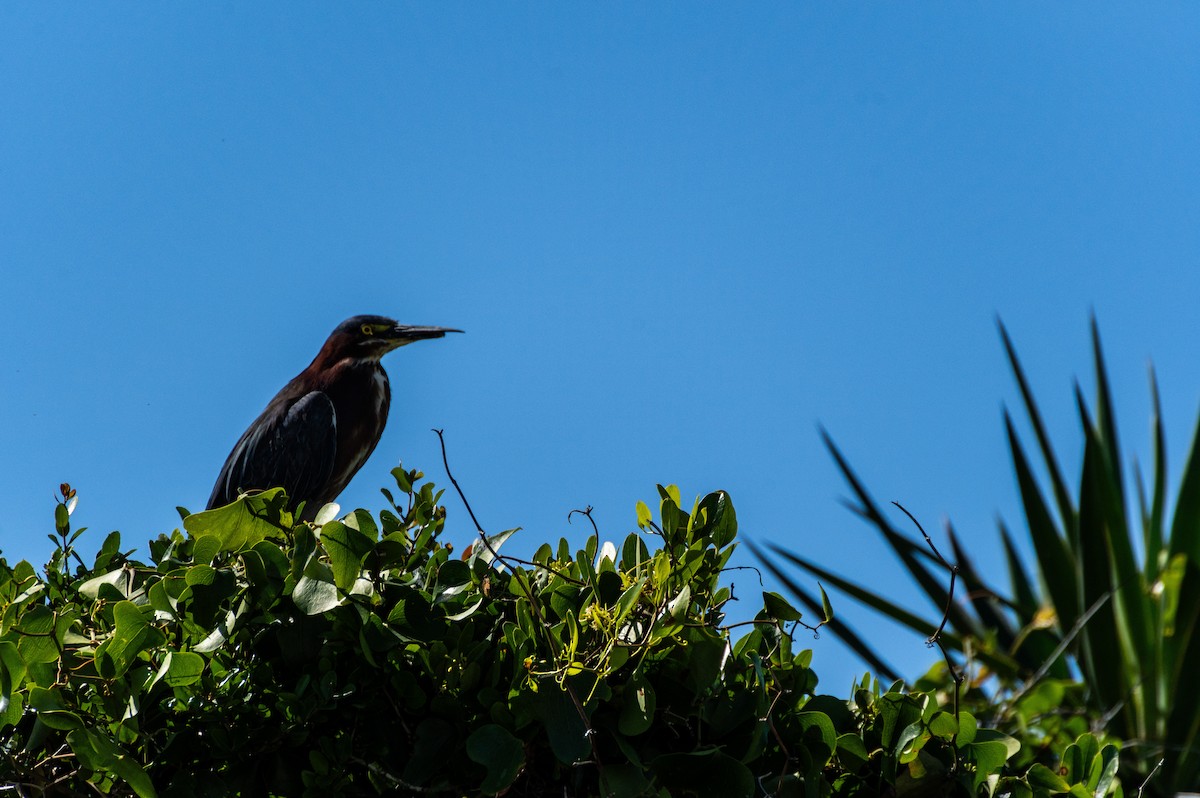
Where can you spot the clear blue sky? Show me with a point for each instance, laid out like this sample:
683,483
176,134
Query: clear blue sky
679,236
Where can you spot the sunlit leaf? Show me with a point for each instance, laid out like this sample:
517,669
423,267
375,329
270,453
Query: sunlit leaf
248,520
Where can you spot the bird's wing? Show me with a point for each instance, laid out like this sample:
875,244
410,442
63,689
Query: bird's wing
295,452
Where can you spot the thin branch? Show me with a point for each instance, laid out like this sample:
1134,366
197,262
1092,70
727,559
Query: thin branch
1149,776
588,512
753,568
393,779
1059,650
454,482
778,737
936,638
483,535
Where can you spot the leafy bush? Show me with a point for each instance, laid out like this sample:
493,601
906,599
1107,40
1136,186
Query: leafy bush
255,655
1106,624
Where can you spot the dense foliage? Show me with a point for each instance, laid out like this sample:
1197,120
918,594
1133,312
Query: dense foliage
254,655
1107,618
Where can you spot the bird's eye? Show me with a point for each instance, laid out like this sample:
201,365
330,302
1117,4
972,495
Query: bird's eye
368,330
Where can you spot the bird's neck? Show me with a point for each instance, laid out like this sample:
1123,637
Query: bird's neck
333,357
326,370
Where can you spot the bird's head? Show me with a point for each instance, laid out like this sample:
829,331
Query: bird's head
371,337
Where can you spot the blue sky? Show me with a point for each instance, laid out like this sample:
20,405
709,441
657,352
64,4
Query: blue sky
679,237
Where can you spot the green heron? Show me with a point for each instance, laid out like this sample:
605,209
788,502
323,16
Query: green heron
319,430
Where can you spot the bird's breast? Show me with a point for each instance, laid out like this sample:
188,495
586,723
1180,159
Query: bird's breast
361,398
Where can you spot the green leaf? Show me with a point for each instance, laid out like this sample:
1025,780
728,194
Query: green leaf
97,751
818,736
414,617
315,596
1043,778
245,522
637,711
36,641
1153,517
679,606
206,548
564,727
211,590
108,550
1185,524
11,715
1053,555
328,512
501,753
826,607
988,757
275,563
1011,746
181,668
623,781
851,751
452,575
910,741
487,553
434,737
720,520
840,628
706,774
943,725
1061,492
777,607
968,728
51,710
132,634
628,600
12,672
1107,664
217,637
346,547
117,580
1103,773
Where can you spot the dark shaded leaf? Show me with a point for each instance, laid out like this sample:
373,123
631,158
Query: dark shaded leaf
501,753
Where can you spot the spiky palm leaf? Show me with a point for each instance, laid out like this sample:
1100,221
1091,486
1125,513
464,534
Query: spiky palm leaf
1122,624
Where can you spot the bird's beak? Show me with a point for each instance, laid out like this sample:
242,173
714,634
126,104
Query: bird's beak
403,334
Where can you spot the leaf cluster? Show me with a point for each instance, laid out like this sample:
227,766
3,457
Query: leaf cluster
259,655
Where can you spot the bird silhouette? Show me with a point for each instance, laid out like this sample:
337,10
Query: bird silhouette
323,425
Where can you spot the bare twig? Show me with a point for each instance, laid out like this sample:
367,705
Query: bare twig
787,755
1149,776
1061,648
936,638
504,559
588,512
953,569
393,779
454,482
